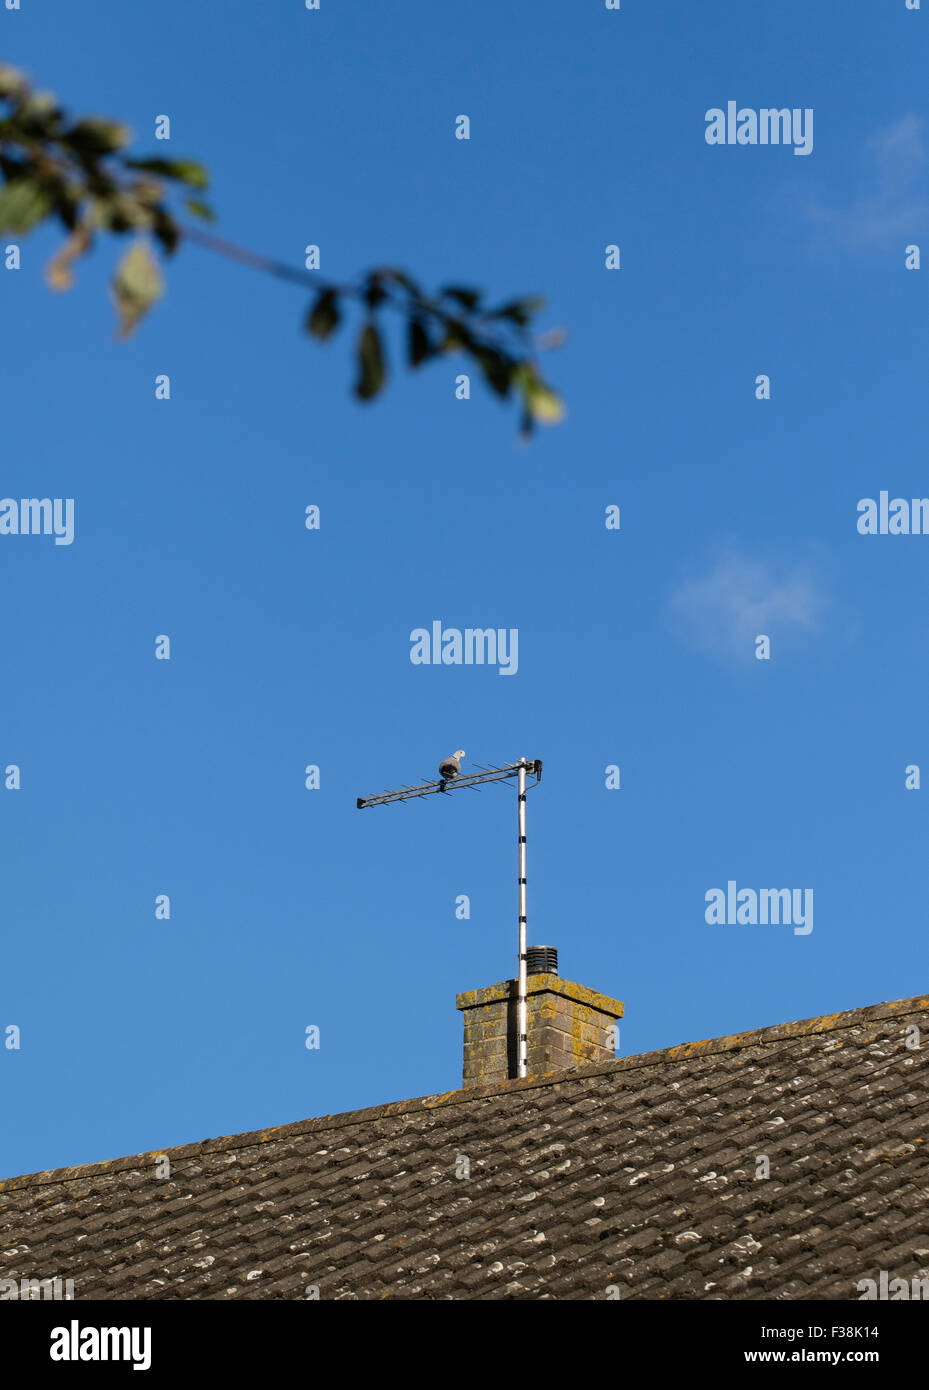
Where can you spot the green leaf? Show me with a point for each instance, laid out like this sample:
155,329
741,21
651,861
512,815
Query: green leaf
541,403
22,205
183,170
546,405
468,299
121,212
324,316
38,115
13,83
198,209
370,364
137,285
93,138
418,345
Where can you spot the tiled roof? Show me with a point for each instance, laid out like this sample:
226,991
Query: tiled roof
639,1174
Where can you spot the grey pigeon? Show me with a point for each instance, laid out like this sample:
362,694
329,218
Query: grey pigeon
449,768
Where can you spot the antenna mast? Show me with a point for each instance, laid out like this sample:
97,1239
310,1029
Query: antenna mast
519,770
522,1021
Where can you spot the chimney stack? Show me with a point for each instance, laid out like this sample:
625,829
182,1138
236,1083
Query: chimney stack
569,1024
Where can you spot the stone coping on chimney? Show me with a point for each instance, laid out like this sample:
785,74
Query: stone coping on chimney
540,984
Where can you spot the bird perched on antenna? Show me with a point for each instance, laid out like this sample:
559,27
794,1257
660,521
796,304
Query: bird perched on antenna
449,768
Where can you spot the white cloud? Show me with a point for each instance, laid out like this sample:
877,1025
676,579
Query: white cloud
740,598
891,210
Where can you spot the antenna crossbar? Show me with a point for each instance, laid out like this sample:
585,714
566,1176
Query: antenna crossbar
442,787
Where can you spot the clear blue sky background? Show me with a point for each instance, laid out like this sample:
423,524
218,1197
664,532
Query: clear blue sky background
141,777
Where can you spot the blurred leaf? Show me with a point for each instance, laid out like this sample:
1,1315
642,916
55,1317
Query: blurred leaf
183,170
401,278
100,184
22,204
148,192
370,364
454,337
121,212
166,230
13,83
324,316
137,285
541,402
93,138
13,169
373,292
498,369
198,209
67,200
419,347
546,405
59,273
38,115
519,310
469,299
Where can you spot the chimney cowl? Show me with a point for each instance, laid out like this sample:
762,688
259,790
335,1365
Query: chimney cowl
541,960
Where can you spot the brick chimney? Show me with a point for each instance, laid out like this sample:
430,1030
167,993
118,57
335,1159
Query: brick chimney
568,1024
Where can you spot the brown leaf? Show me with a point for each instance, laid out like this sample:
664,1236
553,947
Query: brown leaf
59,273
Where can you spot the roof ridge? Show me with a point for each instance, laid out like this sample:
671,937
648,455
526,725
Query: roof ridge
780,1032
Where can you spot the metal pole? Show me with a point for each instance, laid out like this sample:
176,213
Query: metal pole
522,1022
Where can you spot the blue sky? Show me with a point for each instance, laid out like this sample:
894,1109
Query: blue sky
636,648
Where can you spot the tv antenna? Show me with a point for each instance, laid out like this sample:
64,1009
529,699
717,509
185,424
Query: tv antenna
452,780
